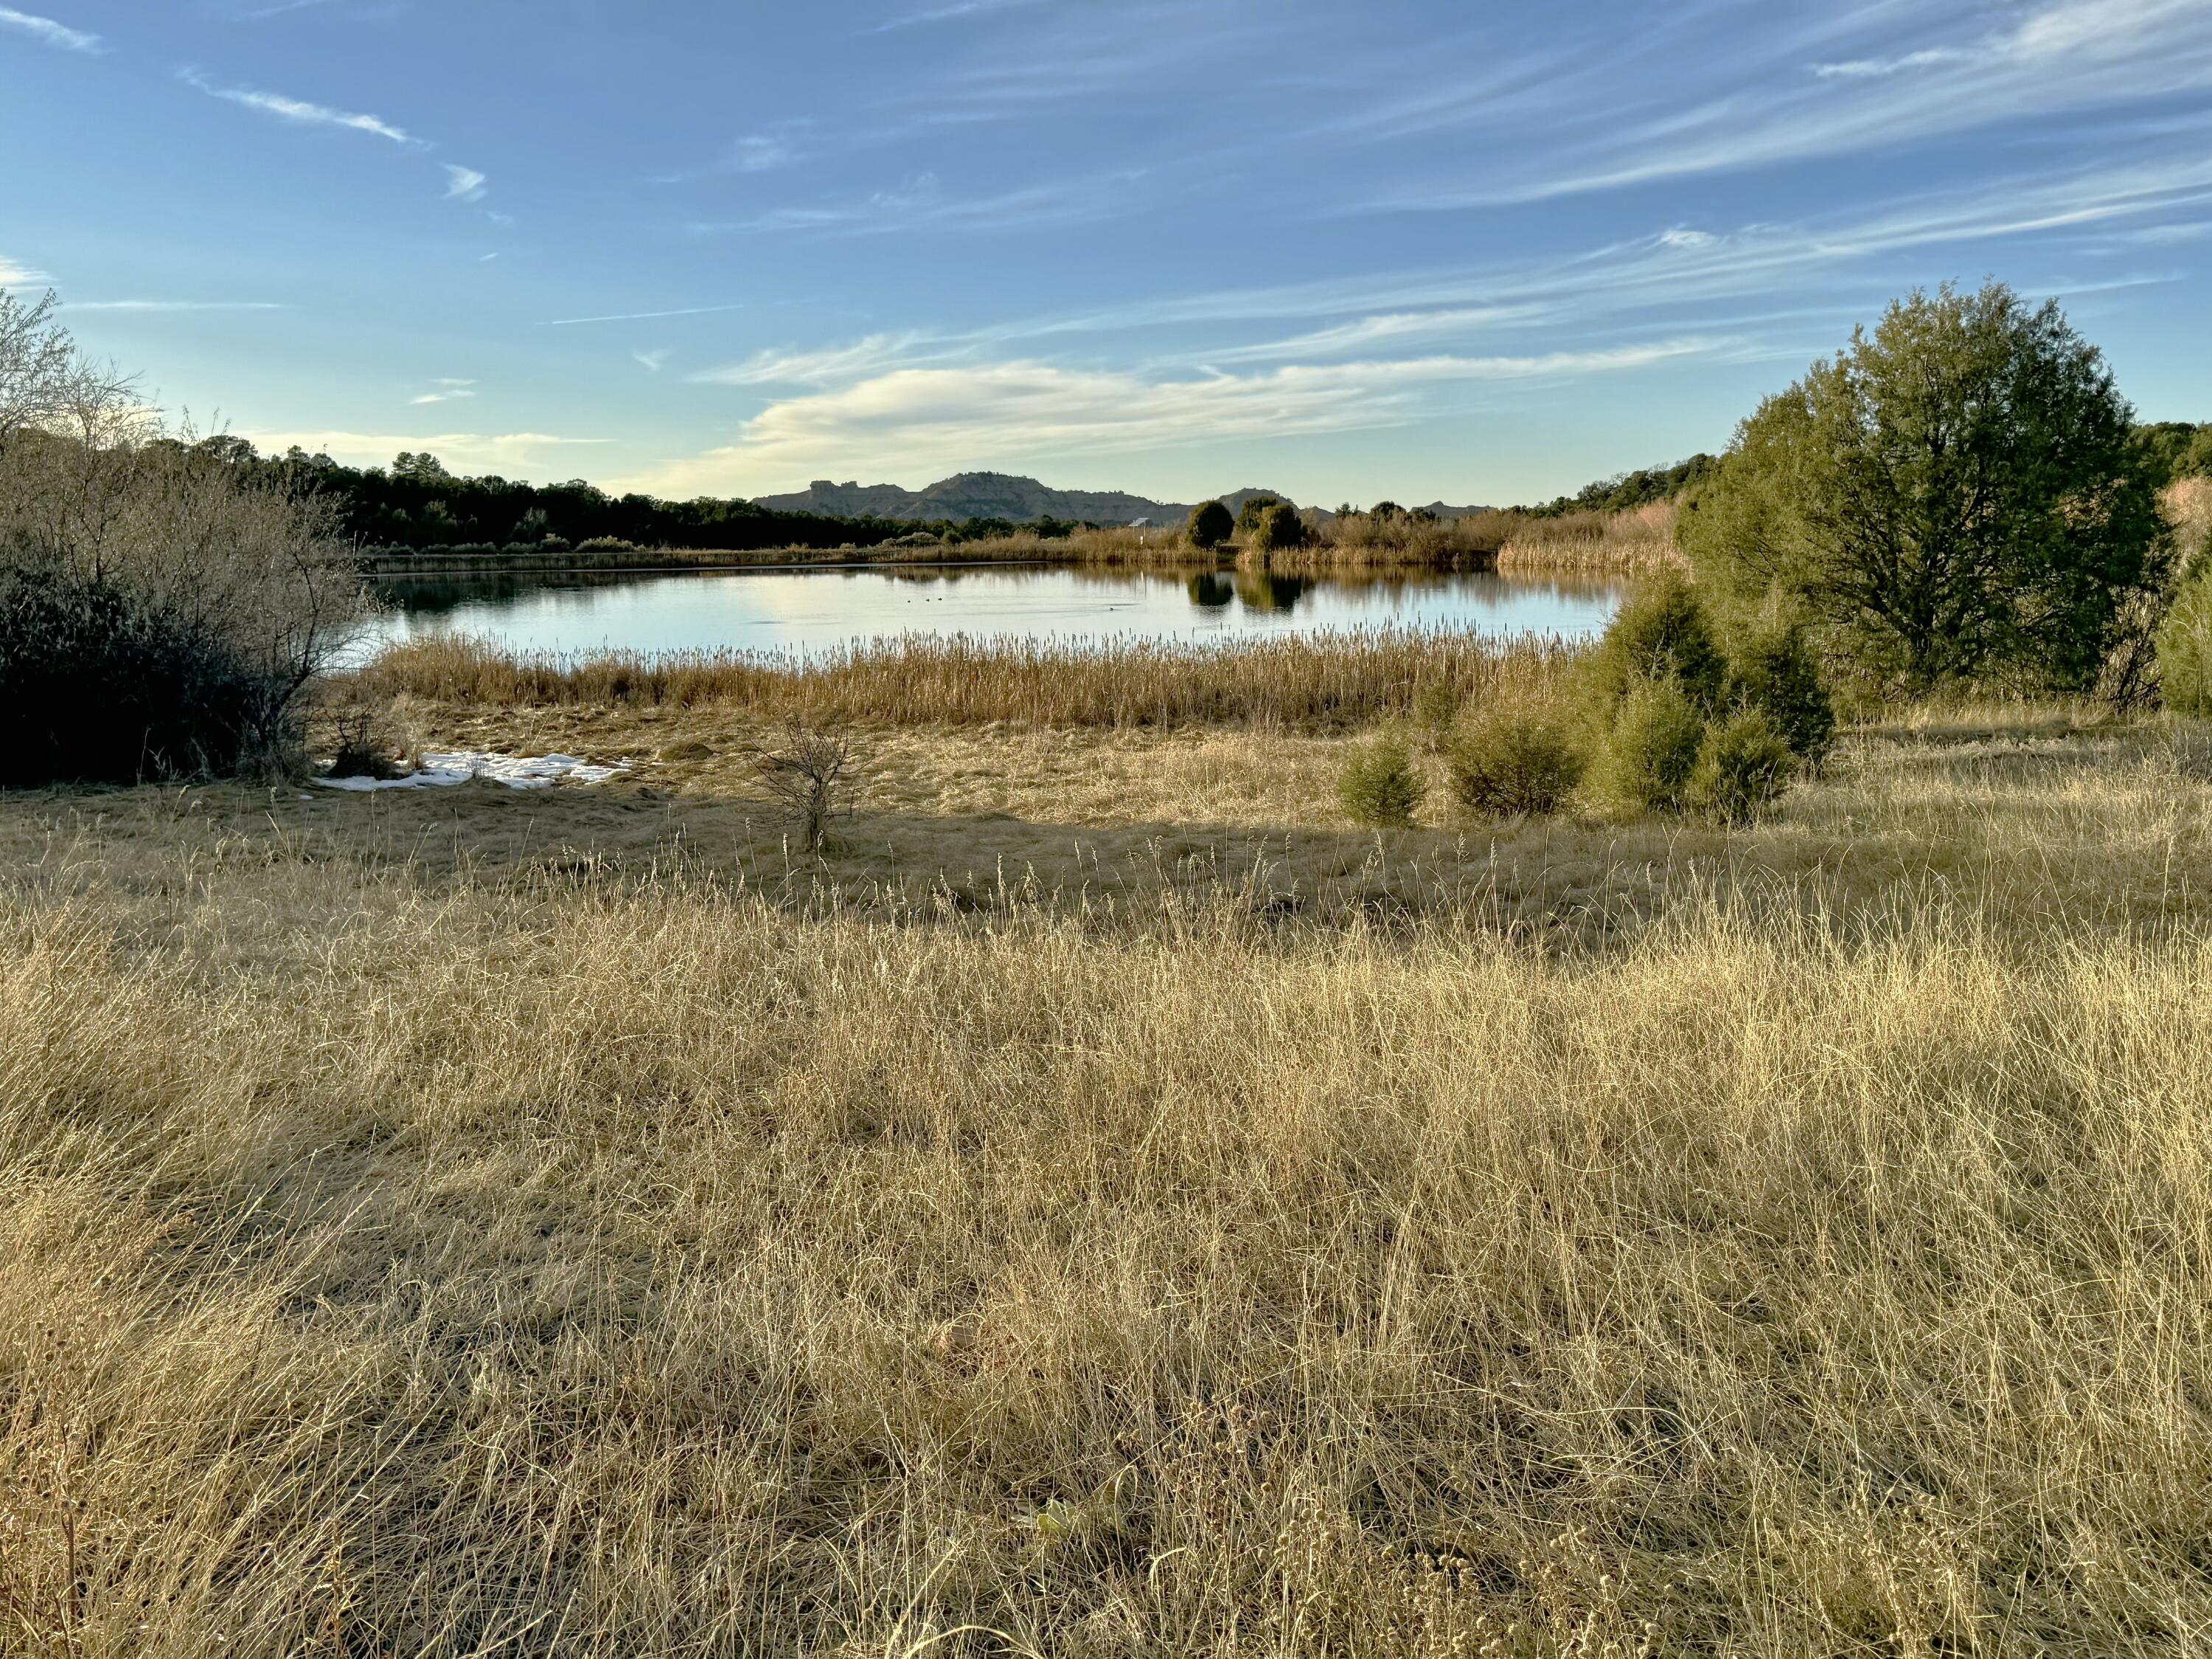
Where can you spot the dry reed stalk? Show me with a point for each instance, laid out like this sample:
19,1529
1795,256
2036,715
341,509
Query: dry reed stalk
1637,543
1327,681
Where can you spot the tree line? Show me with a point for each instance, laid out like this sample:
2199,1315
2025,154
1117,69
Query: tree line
416,504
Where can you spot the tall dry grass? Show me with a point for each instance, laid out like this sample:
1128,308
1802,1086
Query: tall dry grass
567,1265
2188,506
1362,541
1637,543
1330,680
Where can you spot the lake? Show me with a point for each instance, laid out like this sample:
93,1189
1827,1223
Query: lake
808,611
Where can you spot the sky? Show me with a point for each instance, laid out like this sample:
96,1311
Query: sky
1420,249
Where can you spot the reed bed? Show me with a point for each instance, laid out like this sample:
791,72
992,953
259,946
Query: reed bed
569,1267
1634,544
1328,681
1363,541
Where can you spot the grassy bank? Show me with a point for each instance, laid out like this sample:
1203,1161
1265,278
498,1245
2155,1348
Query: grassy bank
557,1223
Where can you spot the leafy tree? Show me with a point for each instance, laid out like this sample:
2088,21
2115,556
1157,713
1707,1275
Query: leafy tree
1957,496
1254,507
424,468
1210,525
1279,527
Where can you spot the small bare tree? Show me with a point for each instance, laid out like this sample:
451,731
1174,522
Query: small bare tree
810,771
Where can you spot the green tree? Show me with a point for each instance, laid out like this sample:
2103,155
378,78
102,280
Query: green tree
1254,507
1279,527
1210,525
1956,497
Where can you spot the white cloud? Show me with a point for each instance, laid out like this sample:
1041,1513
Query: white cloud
462,183
48,32
2101,28
1868,68
14,274
300,111
463,452
655,360
759,153
915,421
1682,236
448,389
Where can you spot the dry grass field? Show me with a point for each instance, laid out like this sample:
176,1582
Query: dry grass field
1109,1205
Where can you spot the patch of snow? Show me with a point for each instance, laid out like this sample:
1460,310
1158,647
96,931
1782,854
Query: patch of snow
442,767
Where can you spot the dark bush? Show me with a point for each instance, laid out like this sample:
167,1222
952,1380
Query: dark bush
102,689
1210,525
1746,763
1771,669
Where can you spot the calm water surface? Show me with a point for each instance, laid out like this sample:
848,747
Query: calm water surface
809,612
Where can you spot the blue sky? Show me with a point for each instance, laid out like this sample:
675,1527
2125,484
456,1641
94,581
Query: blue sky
1401,247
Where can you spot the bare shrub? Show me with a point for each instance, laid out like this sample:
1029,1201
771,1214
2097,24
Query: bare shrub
811,771
164,611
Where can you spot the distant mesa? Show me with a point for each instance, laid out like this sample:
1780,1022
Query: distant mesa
969,496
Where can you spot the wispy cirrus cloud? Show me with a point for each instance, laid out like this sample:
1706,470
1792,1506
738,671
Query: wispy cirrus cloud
913,421
653,360
830,365
921,202
1856,76
176,305
13,273
49,33
947,13
464,183
300,111
641,316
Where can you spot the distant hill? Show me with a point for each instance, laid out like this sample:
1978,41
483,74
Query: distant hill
967,496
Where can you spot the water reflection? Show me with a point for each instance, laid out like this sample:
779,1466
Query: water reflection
1264,590
1210,590
815,610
